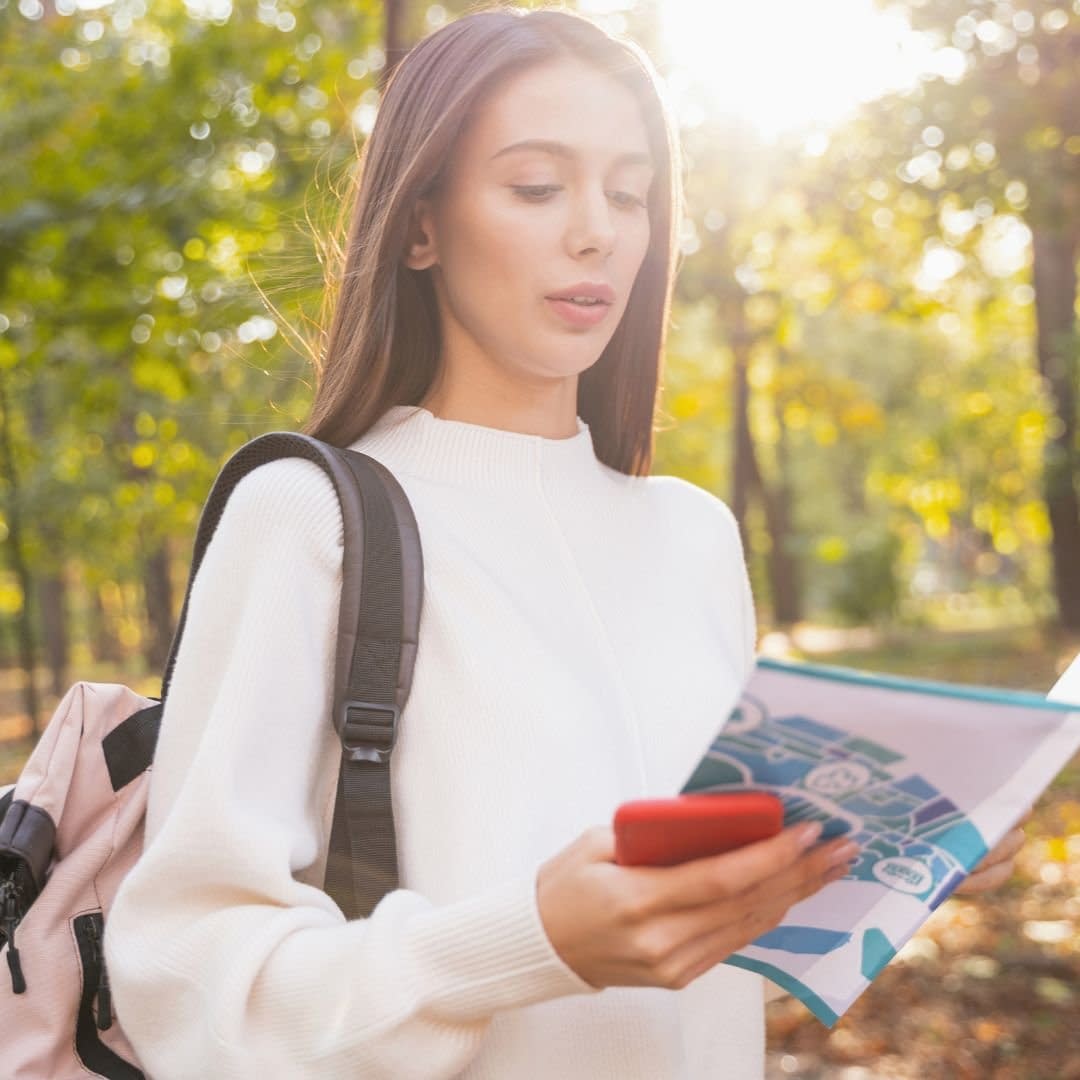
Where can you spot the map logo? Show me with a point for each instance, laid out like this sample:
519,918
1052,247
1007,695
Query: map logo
903,874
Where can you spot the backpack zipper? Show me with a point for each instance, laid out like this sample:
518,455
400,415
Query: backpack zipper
96,1055
88,932
11,913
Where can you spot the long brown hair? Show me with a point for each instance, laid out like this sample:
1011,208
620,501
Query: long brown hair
384,339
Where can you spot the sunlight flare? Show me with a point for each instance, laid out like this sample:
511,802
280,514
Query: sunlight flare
784,65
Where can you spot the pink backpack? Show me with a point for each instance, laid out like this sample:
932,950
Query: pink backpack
72,826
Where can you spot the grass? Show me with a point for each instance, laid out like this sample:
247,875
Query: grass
1028,659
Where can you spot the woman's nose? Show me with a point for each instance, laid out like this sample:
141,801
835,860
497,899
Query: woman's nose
593,224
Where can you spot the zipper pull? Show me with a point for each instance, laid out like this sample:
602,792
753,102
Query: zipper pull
18,980
9,920
103,993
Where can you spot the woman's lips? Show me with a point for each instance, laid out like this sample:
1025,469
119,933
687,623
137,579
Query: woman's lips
578,314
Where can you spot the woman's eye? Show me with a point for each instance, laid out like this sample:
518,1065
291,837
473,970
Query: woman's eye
535,192
539,192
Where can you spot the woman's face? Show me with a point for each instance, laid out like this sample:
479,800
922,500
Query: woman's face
545,195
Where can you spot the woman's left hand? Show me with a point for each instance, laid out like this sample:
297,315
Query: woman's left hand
997,866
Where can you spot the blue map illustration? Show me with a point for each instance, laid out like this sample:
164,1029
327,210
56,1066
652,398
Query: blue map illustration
902,767
913,839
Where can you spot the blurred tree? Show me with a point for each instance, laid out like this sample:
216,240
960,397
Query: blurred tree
157,167
1001,122
731,178
9,474
852,361
885,386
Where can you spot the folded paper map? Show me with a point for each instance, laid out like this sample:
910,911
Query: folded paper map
925,776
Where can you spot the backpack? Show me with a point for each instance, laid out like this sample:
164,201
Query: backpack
73,824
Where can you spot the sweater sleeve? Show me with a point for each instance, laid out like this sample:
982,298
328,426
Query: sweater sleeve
222,962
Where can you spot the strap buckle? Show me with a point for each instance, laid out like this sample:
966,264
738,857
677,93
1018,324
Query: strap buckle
368,730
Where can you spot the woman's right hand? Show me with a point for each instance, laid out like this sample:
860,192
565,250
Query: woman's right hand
665,926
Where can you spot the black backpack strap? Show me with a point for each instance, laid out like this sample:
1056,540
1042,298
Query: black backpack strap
378,629
376,654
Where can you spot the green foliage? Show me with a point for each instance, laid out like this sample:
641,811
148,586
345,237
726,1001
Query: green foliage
164,169
881,281
159,174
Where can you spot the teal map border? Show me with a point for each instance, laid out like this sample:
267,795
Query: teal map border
1026,698
789,983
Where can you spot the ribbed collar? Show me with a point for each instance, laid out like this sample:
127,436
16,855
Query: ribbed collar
415,440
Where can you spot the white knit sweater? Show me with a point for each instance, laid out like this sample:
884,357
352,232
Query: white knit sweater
583,635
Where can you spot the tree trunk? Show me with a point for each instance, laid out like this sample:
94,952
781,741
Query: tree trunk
104,644
157,593
1055,251
783,574
50,569
25,630
8,646
783,564
52,596
743,464
393,38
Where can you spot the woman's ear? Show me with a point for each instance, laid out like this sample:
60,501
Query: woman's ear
420,249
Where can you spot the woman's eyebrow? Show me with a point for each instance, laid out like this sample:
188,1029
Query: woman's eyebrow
559,149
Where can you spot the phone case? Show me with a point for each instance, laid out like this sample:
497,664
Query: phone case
661,832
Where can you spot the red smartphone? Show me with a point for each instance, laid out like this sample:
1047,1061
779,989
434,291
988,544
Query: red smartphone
662,832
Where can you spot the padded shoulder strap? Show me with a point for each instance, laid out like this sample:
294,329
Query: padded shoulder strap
378,629
383,588
372,501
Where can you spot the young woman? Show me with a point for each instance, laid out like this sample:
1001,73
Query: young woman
496,343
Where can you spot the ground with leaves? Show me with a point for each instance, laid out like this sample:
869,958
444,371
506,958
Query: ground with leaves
990,988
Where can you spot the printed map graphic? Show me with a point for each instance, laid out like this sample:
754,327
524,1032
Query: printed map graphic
913,839
893,764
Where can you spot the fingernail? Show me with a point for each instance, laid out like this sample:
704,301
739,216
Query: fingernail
844,853
807,833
